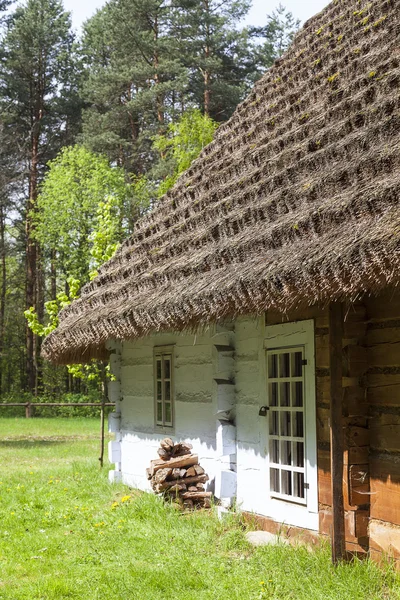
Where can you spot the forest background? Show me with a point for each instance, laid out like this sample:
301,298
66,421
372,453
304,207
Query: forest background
93,131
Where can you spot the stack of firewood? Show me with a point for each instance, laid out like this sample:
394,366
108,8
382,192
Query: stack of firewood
178,475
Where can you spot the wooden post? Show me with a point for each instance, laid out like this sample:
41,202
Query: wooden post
101,458
336,428
28,410
103,402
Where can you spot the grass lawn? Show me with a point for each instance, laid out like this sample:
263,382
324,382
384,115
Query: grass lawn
65,532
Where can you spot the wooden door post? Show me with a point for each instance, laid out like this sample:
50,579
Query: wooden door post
336,428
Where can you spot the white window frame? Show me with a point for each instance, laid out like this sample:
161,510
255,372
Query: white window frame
161,352
286,510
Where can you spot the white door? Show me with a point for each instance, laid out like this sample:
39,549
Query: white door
289,429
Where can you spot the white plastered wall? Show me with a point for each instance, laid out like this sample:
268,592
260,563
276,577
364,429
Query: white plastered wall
251,481
194,403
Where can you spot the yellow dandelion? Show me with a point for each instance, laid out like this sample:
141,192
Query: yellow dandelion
125,498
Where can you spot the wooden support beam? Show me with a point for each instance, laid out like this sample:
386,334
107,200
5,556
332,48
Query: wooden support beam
336,428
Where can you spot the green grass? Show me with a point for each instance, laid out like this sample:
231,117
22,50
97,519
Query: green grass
65,532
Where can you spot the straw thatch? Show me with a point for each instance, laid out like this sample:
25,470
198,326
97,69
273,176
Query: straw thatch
295,201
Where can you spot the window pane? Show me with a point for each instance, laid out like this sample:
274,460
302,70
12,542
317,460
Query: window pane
274,480
298,430
298,480
285,423
286,453
273,394
158,363
297,364
167,390
273,366
274,450
159,390
284,366
286,481
298,393
168,413
167,368
285,393
159,413
274,423
299,454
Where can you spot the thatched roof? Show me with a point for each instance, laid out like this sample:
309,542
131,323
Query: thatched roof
296,201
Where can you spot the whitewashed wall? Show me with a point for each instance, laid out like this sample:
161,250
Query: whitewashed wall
195,409
251,470
198,397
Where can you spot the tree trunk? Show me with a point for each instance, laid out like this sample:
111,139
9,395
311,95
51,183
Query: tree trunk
40,314
53,274
3,293
30,289
206,73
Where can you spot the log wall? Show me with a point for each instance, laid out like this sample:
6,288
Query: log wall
383,393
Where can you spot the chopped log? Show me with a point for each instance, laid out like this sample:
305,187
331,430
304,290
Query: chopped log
192,488
167,444
200,486
181,449
176,488
163,454
162,475
199,470
148,473
195,495
206,502
186,481
191,472
182,461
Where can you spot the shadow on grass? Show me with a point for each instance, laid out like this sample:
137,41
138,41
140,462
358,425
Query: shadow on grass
30,443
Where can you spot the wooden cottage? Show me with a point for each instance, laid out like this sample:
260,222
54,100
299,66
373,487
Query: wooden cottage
255,312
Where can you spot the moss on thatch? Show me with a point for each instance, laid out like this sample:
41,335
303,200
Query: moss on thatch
296,201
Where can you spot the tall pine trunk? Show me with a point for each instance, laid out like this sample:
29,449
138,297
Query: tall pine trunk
207,53
2,294
31,261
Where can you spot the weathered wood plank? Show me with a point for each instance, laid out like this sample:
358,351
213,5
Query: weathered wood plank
324,478
384,355
385,537
385,394
336,426
385,488
181,461
385,432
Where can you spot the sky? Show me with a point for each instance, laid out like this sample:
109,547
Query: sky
303,10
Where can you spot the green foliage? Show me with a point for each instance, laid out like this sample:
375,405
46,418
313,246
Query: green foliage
63,523
177,148
182,143
81,209
108,230
39,77
52,309
275,37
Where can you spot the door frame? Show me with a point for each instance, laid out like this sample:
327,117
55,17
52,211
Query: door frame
294,334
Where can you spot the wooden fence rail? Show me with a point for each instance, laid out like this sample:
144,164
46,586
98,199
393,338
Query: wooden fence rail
101,405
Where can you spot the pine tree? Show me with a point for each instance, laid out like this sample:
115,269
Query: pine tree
274,38
134,82
35,76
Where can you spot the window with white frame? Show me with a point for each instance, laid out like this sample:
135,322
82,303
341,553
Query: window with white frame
286,424
163,386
